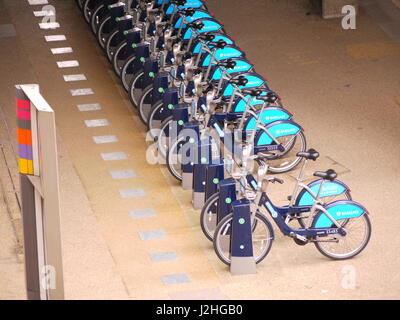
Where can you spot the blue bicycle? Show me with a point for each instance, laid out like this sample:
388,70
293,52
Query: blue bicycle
339,230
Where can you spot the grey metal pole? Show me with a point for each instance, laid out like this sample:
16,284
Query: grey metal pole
32,276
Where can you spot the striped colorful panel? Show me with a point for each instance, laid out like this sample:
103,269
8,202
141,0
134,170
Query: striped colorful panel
25,166
24,134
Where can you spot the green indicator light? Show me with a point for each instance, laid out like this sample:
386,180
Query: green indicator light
203,160
126,32
142,59
134,45
117,19
109,6
170,106
191,140
151,74
228,200
242,221
160,90
216,180
180,122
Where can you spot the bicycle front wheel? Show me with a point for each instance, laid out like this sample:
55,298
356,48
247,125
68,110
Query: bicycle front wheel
208,216
174,158
262,237
145,103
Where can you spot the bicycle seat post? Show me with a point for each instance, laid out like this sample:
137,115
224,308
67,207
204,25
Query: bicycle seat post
199,54
299,180
319,191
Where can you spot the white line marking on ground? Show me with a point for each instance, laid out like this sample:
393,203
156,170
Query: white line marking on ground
123,174
97,123
105,139
61,50
49,25
114,156
132,193
89,107
60,37
46,13
37,2
81,92
74,77
68,64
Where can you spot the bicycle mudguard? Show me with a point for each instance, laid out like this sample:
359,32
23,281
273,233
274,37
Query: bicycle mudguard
269,115
188,4
198,14
242,65
276,129
230,51
196,46
210,24
341,209
334,188
254,80
239,104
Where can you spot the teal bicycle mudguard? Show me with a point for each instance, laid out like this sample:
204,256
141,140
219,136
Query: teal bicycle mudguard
329,188
276,129
341,209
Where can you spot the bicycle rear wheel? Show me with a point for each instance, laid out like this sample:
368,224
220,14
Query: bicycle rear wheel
280,162
337,247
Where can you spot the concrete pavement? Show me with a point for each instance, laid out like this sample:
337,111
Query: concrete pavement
343,87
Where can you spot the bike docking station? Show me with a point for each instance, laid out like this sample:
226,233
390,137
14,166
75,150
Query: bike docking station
191,132
241,239
203,158
227,195
195,88
38,167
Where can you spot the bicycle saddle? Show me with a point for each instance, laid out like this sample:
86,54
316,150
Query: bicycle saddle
187,12
270,97
179,2
229,64
239,81
326,175
206,37
252,92
196,25
310,154
220,44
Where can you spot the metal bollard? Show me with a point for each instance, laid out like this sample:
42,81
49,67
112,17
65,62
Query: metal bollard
189,156
203,158
150,70
160,84
170,98
242,257
227,195
142,53
214,174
